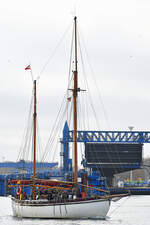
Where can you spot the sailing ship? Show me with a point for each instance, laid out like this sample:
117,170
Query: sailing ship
79,205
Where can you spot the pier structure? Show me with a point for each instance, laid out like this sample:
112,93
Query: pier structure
23,170
108,145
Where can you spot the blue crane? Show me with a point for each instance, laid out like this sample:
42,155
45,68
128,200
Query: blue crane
139,137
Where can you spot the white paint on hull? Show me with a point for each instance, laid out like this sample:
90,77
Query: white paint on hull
78,209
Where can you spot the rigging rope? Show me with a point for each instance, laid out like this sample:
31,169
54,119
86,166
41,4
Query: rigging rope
27,133
54,129
54,51
93,76
66,108
91,102
58,124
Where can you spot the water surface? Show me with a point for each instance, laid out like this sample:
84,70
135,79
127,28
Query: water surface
133,210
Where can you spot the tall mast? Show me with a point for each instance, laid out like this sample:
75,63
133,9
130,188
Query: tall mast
34,141
75,90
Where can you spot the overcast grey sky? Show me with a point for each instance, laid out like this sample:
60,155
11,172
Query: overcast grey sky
117,37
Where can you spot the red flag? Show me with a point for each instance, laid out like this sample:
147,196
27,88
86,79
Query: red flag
28,67
69,99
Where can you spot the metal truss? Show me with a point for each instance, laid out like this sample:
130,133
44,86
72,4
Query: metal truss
111,136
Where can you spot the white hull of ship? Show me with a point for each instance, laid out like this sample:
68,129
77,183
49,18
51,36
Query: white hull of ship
97,208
